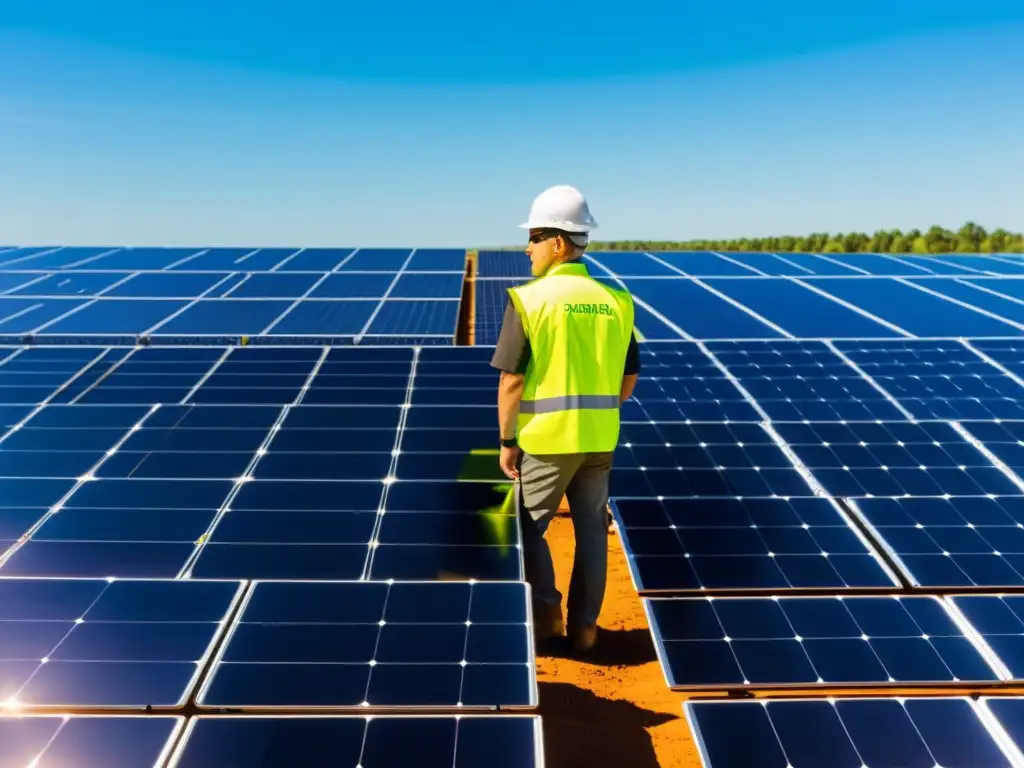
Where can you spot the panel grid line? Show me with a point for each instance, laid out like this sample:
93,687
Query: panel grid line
878,387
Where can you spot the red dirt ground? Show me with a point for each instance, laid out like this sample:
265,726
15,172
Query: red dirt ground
610,707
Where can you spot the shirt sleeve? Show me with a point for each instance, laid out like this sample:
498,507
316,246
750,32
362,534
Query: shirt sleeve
512,352
632,357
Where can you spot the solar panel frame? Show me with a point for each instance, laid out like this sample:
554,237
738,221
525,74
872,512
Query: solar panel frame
408,745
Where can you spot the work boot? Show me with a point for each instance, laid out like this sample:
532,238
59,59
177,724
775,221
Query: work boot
583,637
547,621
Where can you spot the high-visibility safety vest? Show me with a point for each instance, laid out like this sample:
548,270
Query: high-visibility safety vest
579,331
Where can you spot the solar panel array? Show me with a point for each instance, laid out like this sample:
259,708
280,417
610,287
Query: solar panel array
250,512
820,490
267,295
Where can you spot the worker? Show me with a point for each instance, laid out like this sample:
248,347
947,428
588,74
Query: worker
568,358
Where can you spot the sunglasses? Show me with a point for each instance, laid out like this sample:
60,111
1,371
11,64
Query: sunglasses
542,235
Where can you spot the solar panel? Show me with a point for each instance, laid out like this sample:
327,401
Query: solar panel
679,383
1004,716
373,644
805,642
692,545
797,381
938,380
894,459
261,741
108,644
875,733
113,741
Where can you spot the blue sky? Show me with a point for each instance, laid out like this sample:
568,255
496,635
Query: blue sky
434,124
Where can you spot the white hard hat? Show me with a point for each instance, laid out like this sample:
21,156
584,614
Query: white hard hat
561,207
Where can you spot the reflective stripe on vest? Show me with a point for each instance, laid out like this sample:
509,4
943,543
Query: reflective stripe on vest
569,403
579,331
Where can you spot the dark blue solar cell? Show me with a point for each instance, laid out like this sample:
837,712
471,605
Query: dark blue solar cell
447,466
91,524
343,417
151,494
289,526
448,528
463,395
955,542
361,496
280,561
322,393
767,642
679,545
912,733
450,440
413,286
71,284
166,285
30,315
414,562
354,286
144,560
443,417
224,317
333,440
118,316
314,260
421,651
322,466
446,497
34,492
405,317
491,298
170,464
383,259
120,644
110,741
437,259
312,317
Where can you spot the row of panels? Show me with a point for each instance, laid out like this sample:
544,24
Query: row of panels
680,383
66,319
159,645
268,741
861,733
670,308
128,259
499,263
778,641
513,264
233,285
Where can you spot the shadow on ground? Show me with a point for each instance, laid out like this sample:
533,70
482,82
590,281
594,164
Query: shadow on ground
615,648
582,730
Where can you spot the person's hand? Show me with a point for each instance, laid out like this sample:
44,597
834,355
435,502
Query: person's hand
507,460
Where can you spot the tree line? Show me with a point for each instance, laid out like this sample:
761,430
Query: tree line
970,238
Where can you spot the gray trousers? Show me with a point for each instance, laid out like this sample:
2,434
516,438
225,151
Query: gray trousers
583,479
